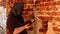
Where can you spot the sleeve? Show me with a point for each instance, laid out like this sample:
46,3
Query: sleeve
11,24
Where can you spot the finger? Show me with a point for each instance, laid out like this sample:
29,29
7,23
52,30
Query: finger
27,24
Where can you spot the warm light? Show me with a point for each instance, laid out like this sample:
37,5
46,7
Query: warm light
34,0
0,0
56,0
58,8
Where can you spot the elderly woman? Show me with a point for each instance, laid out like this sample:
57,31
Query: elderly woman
15,21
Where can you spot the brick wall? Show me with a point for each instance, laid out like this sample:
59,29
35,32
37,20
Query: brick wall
48,10
44,10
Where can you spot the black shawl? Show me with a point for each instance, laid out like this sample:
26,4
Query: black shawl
15,18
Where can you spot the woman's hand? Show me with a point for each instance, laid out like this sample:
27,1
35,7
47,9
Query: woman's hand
27,26
20,29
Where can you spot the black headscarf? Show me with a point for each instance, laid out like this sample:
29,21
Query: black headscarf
17,9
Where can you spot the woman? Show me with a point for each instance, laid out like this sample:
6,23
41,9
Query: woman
15,22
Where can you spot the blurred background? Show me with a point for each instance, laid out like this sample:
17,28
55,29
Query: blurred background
46,15
2,16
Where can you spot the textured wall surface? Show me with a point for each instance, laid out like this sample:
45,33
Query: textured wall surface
46,12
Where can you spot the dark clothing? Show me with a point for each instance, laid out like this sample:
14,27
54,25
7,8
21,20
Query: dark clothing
15,18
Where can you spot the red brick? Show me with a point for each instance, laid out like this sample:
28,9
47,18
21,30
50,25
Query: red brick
42,0
58,18
52,13
49,0
31,1
42,8
53,3
41,13
48,4
56,29
58,3
45,17
47,9
42,5
54,8
42,18
59,13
